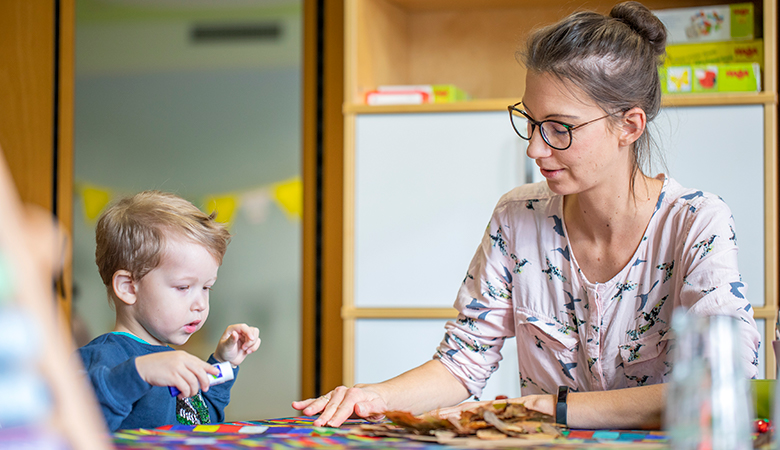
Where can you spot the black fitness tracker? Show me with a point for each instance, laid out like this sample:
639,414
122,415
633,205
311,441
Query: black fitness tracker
560,406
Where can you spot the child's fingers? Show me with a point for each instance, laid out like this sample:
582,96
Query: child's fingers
252,341
187,384
255,345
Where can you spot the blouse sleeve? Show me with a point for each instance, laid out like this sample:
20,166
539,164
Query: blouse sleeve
471,348
712,283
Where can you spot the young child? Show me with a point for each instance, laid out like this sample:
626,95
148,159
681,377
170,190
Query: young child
158,256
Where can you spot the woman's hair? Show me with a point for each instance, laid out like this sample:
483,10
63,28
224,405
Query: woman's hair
132,233
613,59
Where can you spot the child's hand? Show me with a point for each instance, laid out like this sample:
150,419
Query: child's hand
186,372
236,343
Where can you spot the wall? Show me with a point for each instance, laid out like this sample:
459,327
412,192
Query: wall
155,111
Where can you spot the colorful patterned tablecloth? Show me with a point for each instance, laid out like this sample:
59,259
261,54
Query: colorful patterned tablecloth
298,432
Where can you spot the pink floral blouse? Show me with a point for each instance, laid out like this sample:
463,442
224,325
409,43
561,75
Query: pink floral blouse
524,282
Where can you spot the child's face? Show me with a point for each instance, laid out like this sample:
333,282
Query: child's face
173,299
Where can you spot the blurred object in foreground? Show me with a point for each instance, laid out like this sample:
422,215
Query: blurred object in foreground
44,403
708,401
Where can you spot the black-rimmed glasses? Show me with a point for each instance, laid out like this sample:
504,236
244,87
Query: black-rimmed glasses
556,134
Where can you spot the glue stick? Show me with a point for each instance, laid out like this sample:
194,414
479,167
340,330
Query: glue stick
225,374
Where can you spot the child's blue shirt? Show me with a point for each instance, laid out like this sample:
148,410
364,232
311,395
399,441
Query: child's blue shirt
128,401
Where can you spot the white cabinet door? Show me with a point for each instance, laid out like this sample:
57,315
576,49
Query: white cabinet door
385,348
425,188
720,149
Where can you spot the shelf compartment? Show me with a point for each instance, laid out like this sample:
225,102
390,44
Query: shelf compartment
469,44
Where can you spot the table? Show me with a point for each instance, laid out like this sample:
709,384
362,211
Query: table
298,432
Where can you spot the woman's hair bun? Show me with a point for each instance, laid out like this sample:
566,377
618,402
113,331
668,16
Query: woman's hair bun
642,21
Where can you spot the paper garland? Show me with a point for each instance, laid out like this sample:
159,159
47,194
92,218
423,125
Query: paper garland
253,203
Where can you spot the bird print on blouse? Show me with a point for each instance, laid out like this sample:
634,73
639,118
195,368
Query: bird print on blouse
690,197
564,252
735,287
553,270
643,297
668,268
650,319
566,368
639,380
558,225
477,306
623,287
572,300
706,245
518,269
498,240
472,346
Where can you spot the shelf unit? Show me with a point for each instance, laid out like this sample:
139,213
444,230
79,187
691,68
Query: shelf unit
472,45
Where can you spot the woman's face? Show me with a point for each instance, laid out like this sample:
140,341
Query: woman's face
594,157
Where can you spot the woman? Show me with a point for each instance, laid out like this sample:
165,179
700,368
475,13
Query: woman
586,268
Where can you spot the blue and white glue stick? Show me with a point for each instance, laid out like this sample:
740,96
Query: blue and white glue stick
225,374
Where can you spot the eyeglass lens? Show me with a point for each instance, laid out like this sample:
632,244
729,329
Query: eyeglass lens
555,134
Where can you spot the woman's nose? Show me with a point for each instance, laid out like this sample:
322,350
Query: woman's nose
537,148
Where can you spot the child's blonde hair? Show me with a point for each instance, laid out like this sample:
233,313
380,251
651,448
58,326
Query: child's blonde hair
131,234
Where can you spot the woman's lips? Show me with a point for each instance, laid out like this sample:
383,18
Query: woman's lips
550,173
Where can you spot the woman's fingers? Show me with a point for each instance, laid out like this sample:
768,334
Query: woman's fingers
333,401
301,405
340,404
342,410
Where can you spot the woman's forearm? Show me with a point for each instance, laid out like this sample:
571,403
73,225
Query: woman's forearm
630,409
424,388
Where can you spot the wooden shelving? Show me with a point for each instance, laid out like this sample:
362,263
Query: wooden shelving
472,44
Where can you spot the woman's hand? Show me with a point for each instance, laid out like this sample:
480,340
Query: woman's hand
342,403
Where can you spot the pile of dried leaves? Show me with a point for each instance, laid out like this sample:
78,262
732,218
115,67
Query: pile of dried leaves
496,421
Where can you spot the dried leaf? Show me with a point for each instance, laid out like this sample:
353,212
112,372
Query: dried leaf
424,424
507,419
490,434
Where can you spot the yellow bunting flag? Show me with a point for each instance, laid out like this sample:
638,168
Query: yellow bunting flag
224,205
289,195
95,199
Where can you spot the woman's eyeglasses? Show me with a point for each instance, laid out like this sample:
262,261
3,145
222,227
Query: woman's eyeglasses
556,134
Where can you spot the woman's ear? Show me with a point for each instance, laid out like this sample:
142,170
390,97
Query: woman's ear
633,123
124,286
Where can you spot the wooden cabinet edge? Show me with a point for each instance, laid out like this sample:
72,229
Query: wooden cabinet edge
398,313
759,98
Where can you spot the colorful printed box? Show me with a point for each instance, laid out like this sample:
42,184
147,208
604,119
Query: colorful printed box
716,53
708,23
737,77
447,93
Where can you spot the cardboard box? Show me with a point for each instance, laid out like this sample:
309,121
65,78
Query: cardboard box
737,77
708,23
437,93
398,97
